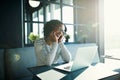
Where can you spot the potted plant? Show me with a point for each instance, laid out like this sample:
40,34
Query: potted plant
67,37
32,37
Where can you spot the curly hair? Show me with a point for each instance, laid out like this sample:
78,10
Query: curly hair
50,26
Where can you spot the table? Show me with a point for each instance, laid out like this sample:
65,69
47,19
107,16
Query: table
99,71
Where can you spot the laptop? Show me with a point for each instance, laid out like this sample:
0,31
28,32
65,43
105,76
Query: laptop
83,58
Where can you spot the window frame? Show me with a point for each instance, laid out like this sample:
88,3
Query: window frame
75,25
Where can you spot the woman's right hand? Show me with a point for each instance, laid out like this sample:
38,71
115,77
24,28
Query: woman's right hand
54,36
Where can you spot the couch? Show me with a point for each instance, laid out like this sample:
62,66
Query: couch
2,76
15,61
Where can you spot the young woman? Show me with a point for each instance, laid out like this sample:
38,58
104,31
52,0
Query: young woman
50,48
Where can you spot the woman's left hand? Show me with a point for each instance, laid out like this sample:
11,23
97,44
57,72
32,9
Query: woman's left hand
61,37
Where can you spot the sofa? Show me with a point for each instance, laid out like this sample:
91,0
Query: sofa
2,76
15,61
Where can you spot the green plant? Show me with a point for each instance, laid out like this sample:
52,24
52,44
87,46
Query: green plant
32,37
67,36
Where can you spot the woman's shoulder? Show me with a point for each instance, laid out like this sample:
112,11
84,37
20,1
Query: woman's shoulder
39,41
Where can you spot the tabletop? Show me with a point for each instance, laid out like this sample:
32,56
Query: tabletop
98,71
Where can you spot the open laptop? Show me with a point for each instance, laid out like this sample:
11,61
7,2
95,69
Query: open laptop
83,58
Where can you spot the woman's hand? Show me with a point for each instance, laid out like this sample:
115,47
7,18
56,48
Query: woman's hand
61,37
54,36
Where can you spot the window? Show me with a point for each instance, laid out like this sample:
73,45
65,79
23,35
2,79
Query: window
79,16
111,28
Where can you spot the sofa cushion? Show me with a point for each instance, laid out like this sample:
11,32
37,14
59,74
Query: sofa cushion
17,61
2,64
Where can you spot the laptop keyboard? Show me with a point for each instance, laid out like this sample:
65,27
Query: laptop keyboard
67,67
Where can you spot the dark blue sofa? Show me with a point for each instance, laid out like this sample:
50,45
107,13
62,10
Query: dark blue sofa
2,75
17,61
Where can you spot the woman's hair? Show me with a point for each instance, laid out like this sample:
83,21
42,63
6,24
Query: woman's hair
51,25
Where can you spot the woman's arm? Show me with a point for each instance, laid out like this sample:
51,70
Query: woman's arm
65,54
44,54
51,53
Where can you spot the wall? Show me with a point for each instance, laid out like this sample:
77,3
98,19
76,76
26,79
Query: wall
10,24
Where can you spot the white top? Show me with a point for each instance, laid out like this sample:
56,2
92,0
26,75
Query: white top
48,55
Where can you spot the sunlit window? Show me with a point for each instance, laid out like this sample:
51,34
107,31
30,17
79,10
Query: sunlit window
68,16
78,16
112,27
53,12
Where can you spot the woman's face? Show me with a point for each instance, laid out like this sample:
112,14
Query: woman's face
57,34
60,30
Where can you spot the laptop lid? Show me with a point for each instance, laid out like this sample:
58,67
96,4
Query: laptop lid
83,58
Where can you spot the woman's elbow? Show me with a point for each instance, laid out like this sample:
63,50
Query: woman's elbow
48,63
68,59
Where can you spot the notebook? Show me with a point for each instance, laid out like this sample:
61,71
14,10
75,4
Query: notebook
50,75
83,58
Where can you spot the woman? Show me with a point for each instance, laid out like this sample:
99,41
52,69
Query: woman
50,48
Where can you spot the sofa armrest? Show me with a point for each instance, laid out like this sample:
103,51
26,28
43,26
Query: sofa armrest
2,76
17,60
